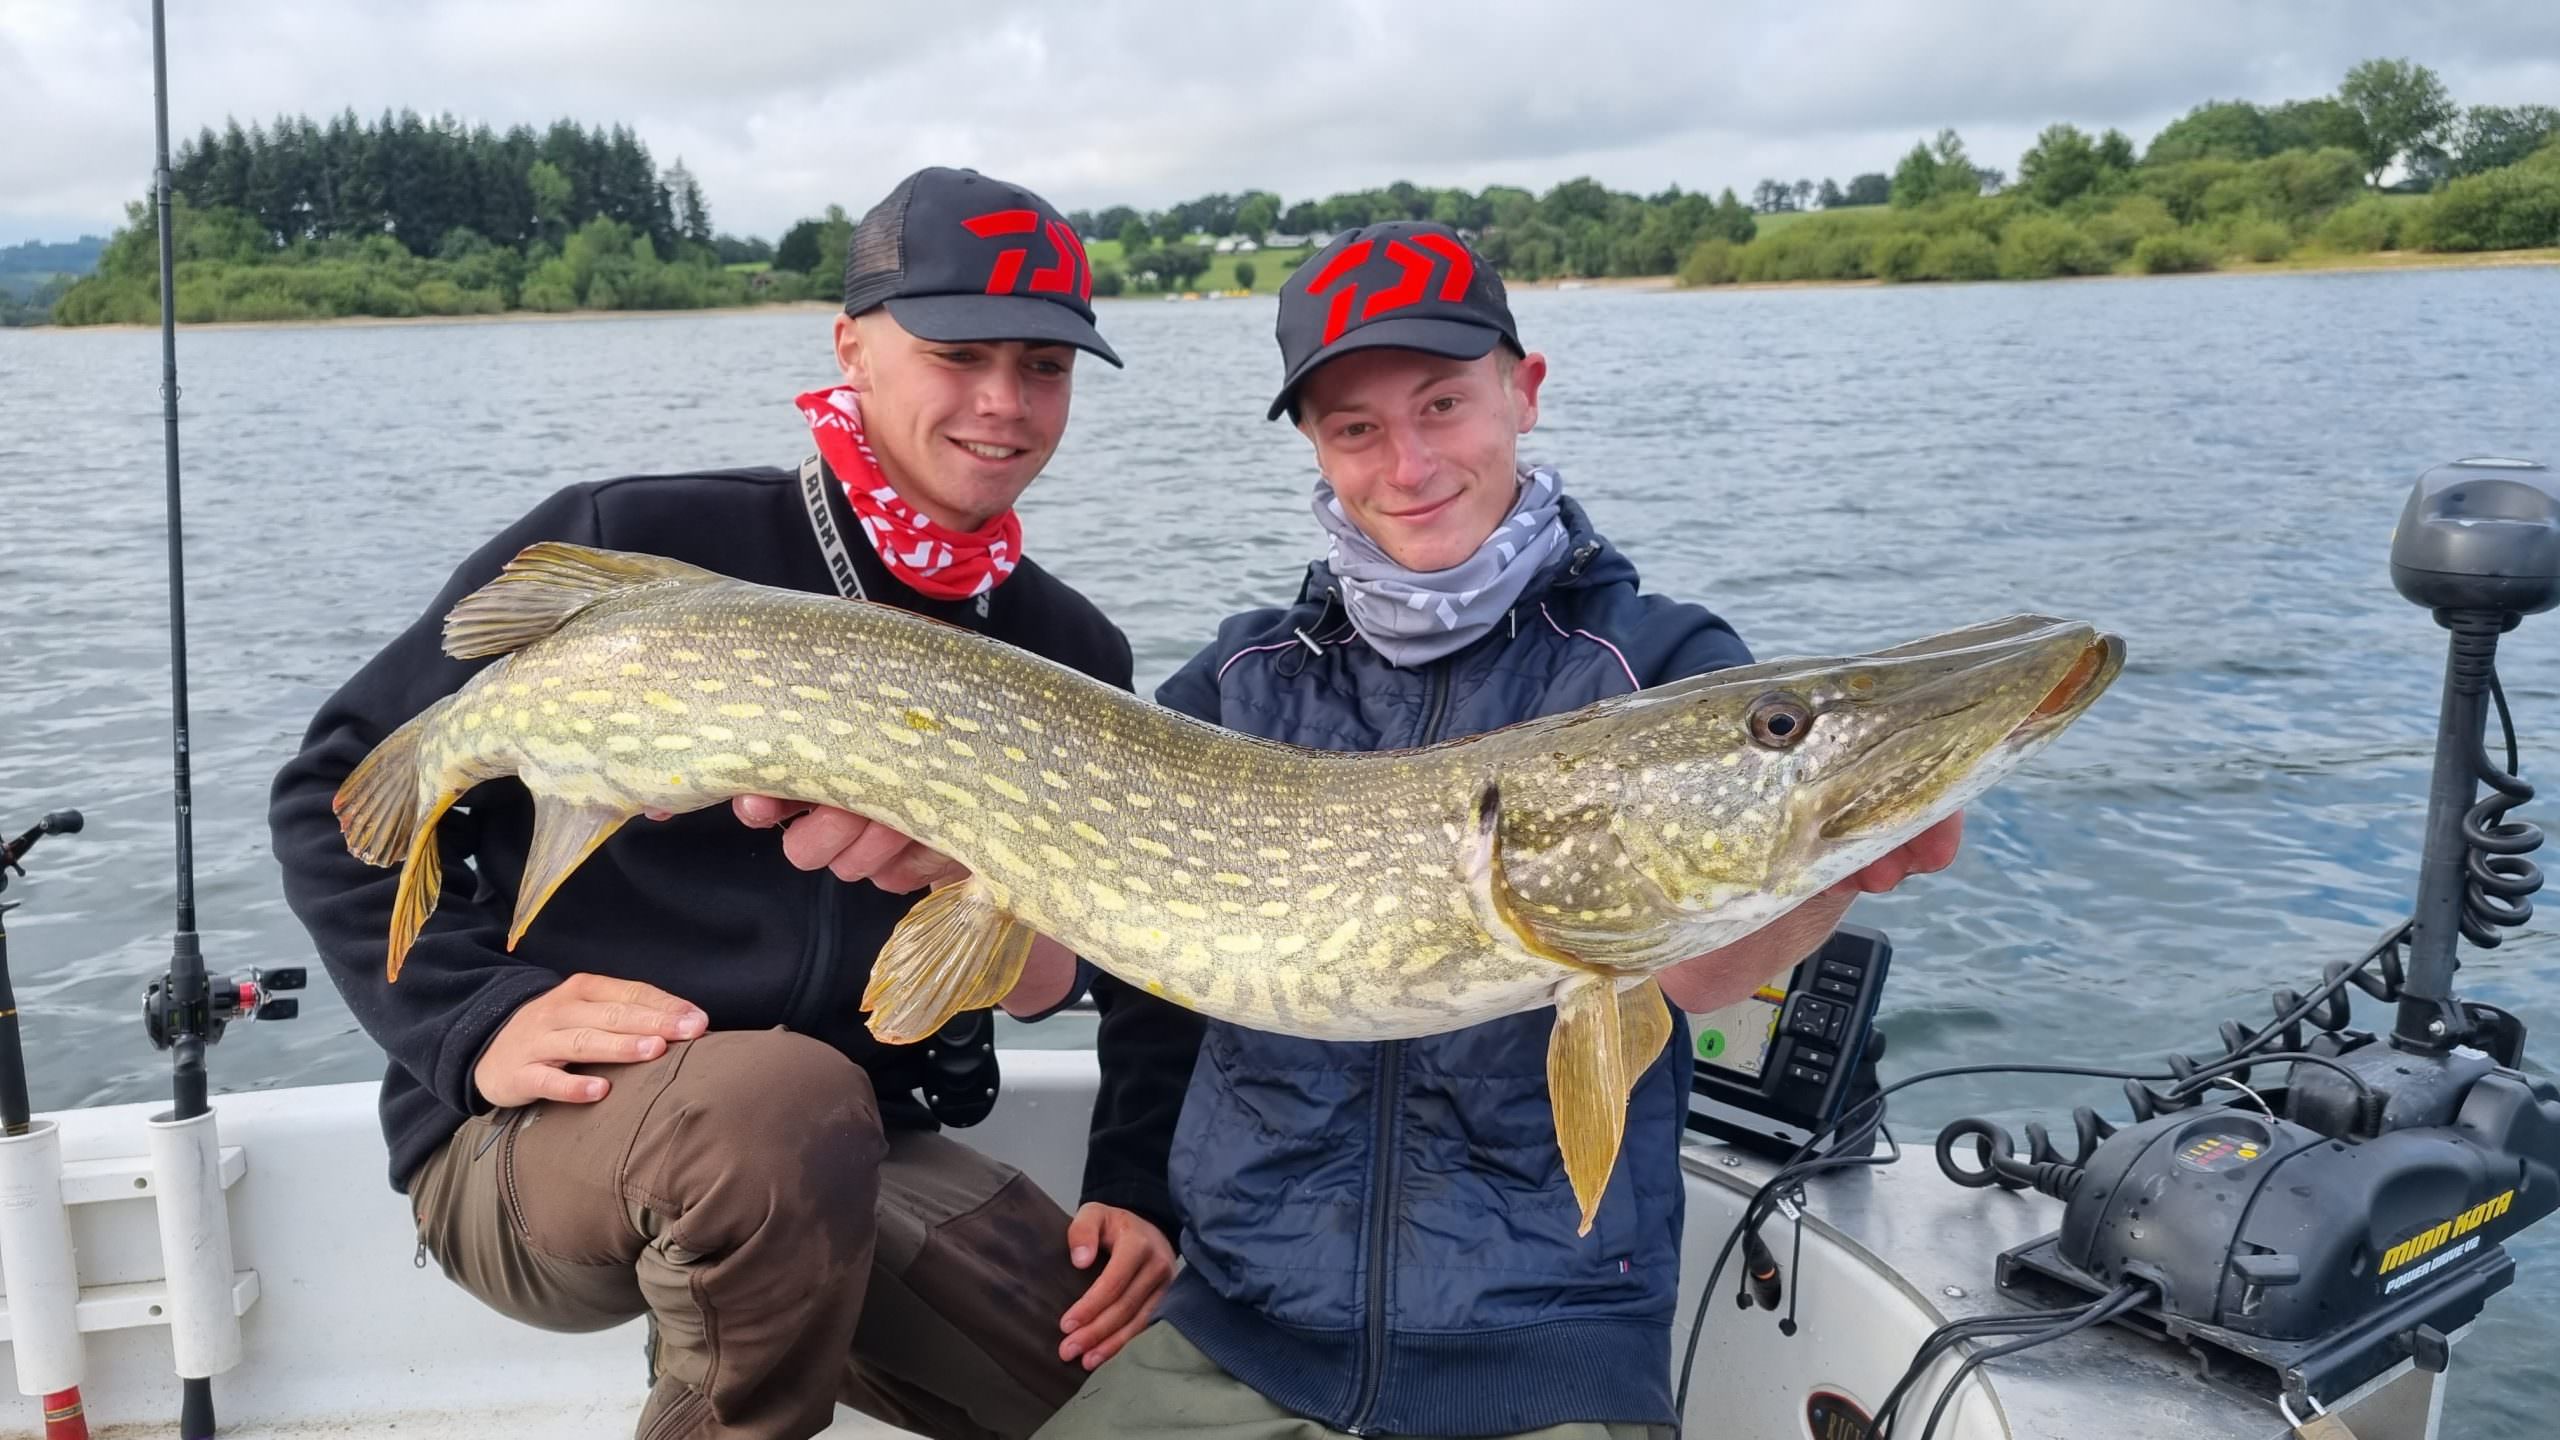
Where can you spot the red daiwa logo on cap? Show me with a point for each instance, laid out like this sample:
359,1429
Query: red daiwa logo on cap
1412,282
1069,273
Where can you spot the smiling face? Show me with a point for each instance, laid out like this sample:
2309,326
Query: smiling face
961,428
1421,449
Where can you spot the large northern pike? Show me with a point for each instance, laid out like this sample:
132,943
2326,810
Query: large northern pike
1347,896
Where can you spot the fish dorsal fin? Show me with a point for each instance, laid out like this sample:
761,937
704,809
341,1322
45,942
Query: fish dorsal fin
543,588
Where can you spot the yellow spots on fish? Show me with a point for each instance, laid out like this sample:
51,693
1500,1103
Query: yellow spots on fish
1322,893
673,742
766,682
748,653
1057,857
1069,904
1009,822
471,719
838,727
1187,802
1340,940
1205,837
1246,943
1671,831
709,686
748,710
1398,812
1272,852
1089,835
1151,938
1321,842
1229,907
900,733
1288,944
622,744
1005,788
1042,825
1229,877
963,724
1186,910
1106,897
550,707
590,697
583,725
717,734
874,770
690,657
1150,846
1005,858
812,694
959,748
1423,959
1097,772
1027,723
1137,883
895,693
801,746
1100,804
1383,904
1016,754
787,717
924,814
1731,760
1355,860
1143,802
519,687
660,699
1271,909
1425,926
1053,779
634,670
952,793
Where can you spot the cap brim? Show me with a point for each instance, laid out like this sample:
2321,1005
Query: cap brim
956,318
1456,339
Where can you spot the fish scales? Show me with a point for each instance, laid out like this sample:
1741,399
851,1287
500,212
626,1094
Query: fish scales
1349,896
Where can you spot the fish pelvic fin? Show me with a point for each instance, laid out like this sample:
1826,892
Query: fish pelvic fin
957,950
564,835
1587,1085
545,587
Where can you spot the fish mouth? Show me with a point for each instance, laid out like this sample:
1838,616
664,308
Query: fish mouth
2077,690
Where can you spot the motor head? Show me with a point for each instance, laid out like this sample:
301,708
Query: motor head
2482,535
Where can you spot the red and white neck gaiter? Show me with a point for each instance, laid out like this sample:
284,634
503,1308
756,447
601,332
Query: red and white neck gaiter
929,558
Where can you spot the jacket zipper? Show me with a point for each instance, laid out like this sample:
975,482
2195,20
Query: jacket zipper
1385,1192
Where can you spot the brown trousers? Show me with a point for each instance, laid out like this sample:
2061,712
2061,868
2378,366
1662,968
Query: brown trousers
740,1190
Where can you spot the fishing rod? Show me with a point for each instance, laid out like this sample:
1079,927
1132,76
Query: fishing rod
65,1414
184,1012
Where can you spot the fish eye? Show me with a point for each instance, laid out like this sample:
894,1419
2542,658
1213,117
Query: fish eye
1779,721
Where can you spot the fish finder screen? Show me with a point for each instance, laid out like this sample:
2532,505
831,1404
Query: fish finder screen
1740,1036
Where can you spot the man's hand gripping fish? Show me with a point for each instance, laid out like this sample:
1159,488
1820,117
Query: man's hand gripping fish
1342,896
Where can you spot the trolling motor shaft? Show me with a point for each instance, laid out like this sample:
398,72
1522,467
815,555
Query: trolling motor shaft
2478,543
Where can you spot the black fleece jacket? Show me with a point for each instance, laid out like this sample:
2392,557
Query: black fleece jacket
700,906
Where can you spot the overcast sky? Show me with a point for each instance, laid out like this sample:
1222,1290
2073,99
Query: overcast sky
781,106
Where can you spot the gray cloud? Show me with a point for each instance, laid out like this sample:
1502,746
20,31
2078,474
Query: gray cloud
783,106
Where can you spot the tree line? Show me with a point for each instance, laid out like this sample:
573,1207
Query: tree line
405,215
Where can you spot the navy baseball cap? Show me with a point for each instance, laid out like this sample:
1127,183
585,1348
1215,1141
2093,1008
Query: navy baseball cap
957,256
1410,284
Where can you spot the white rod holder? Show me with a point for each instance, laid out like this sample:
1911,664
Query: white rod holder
195,1244
37,1262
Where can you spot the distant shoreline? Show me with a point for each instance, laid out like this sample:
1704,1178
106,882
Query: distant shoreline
2380,261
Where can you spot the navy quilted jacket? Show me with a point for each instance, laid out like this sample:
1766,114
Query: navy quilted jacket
1381,1236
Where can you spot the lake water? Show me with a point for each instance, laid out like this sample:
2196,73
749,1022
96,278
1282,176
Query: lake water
2210,466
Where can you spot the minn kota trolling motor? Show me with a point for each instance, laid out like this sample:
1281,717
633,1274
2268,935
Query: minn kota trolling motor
2326,1227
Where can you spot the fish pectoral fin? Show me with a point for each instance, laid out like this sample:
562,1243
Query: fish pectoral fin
1587,1079
564,835
956,950
543,588
1644,1027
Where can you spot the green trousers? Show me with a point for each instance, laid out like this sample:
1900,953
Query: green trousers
1160,1385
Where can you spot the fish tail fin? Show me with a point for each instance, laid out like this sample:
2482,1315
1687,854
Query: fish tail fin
543,588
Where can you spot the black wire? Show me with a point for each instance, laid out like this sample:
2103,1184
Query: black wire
2506,722
1757,1207
2116,1302
1950,1334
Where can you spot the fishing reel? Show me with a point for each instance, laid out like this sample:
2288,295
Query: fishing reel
2351,1214
255,995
